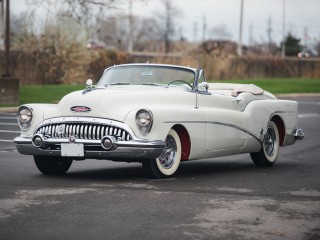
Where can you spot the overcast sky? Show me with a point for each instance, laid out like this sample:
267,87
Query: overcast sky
301,16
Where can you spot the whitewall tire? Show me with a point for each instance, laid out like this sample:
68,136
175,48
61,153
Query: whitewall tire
269,151
168,162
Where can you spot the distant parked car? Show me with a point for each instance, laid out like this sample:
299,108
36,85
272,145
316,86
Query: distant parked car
308,52
95,45
159,115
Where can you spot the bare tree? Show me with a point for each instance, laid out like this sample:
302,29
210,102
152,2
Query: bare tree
118,26
167,19
220,32
78,8
144,32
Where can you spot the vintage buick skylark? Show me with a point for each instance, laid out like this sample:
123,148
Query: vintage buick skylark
159,115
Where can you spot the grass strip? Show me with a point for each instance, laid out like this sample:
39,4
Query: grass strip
53,93
282,85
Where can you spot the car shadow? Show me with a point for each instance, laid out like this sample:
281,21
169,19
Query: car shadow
193,169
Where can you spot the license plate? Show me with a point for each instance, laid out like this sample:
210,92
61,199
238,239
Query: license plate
72,150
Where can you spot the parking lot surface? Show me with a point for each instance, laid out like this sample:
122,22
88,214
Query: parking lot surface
221,198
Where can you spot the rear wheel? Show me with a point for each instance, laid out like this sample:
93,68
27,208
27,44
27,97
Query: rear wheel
270,147
168,162
52,165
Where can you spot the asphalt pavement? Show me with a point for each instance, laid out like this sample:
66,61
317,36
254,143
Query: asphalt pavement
221,198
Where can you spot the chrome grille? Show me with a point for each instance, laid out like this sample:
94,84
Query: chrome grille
89,131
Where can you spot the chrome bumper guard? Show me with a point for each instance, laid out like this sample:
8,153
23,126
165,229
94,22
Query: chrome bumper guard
132,150
298,134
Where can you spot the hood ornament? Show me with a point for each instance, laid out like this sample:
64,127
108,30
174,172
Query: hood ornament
80,109
89,86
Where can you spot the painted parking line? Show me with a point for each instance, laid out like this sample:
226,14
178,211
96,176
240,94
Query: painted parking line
4,140
15,118
7,131
309,115
11,124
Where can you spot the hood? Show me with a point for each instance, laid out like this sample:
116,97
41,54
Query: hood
117,101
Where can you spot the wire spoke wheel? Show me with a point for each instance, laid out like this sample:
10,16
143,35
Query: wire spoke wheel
169,153
168,162
270,147
270,142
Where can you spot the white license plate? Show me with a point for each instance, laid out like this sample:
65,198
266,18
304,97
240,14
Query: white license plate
72,150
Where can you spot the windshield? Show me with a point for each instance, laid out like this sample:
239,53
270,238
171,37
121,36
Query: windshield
148,75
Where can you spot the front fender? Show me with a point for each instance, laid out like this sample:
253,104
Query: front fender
164,119
38,112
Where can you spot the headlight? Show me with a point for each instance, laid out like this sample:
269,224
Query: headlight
24,116
144,121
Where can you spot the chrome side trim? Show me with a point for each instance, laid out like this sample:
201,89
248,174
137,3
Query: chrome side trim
223,124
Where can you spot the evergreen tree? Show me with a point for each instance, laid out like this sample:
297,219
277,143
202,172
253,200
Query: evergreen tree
292,44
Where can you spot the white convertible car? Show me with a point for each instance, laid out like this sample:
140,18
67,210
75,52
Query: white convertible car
159,115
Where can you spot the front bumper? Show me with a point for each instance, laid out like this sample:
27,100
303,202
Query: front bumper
132,150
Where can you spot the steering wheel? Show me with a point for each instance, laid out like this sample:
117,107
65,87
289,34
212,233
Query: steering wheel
183,81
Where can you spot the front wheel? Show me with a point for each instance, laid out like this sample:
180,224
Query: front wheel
168,162
52,165
268,154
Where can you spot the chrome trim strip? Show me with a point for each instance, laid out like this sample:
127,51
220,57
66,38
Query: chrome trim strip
131,143
223,124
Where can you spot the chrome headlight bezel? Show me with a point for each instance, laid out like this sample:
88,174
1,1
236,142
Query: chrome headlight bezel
144,121
24,117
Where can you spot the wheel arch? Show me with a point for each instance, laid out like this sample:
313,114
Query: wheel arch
185,141
281,128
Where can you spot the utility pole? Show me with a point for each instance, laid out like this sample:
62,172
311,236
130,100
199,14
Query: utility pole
283,52
240,30
130,44
9,86
7,40
1,19
250,35
2,13
306,37
204,28
269,31
195,31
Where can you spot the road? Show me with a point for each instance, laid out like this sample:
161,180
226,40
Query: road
222,198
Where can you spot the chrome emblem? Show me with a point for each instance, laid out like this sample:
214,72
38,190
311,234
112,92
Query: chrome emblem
72,139
80,109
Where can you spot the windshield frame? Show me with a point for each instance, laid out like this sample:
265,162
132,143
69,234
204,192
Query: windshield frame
194,72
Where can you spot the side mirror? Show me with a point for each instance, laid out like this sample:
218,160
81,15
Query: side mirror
203,87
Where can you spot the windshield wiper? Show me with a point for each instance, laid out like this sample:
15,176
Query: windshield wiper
118,83
154,84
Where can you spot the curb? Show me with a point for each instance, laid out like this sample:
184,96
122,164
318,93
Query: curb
8,109
297,95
